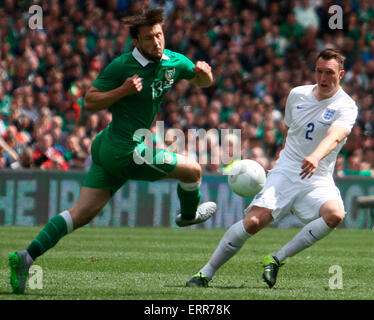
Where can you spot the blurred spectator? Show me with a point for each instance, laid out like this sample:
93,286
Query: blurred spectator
85,144
26,159
92,125
305,14
14,139
10,156
291,29
339,167
353,142
45,156
3,159
58,140
78,161
357,168
72,147
366,122
357,75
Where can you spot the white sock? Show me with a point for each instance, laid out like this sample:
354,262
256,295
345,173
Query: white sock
189,186
230,244
309,234
69,221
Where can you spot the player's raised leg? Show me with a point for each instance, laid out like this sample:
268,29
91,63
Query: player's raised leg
188,172
90,202
232,241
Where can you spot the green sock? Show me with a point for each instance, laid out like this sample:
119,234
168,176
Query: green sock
189,201
53,231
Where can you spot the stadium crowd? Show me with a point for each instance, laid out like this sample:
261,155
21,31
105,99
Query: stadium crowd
258,50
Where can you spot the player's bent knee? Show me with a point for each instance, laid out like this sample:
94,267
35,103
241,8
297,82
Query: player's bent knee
192,173
252,225
187,170
196,172
332,213
256,219
334,218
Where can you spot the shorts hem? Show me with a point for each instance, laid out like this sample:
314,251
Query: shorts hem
112,190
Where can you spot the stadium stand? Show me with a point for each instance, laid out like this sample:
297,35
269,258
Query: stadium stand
259,50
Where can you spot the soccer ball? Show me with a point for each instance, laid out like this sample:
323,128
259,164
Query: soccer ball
246,177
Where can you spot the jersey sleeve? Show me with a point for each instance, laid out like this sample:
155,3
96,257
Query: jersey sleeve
110,77
186,67
288,110
346,116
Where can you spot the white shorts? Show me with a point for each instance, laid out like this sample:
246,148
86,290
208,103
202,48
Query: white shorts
282,195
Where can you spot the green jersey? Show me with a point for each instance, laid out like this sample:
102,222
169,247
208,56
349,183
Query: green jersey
138,111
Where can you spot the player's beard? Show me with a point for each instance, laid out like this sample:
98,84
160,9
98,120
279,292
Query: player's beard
150,56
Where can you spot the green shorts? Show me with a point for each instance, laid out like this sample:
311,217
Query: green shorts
112,166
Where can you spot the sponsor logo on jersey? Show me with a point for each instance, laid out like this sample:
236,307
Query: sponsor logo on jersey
328,114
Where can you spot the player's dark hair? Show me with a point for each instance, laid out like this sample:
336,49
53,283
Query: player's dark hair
329,54
148,17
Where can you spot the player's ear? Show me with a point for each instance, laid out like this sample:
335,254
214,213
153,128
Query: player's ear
341,74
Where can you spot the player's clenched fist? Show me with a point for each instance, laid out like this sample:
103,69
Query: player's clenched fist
132,85
202,67
203,74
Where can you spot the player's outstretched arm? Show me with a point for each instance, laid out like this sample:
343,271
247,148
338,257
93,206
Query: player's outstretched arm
203,75
98,100
334,136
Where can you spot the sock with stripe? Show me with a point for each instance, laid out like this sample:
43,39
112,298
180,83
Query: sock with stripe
53,231
309,234
230,244
189,196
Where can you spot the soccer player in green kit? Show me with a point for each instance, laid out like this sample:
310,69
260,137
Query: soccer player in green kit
133,86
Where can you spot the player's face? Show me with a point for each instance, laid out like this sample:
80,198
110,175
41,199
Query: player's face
328,76
151,42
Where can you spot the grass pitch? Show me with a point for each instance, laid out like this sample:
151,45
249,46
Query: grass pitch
155,263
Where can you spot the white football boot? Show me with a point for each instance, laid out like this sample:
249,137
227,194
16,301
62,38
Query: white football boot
204,212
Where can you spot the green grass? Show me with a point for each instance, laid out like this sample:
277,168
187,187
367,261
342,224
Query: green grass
155,263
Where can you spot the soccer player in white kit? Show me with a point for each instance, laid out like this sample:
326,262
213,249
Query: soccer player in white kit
318,118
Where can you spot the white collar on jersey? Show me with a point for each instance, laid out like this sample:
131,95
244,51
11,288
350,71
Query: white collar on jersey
144,61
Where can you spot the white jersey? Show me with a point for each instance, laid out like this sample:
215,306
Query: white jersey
308,120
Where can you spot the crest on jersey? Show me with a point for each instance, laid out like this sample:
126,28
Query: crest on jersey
328,114
169,74
167,158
